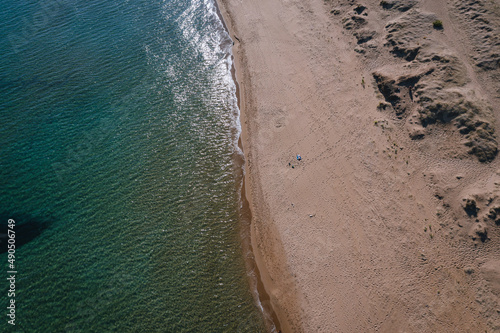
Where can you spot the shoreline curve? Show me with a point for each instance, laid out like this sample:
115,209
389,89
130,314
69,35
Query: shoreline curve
274,317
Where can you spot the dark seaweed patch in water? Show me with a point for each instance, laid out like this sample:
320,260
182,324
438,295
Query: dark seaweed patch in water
26,228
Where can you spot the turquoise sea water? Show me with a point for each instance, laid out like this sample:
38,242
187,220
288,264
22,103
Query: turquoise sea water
118,161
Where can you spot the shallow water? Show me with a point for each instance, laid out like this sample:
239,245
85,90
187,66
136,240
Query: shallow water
119,144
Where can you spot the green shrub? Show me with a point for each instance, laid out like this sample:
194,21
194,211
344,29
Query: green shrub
437,24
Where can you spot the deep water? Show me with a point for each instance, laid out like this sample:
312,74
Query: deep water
118,150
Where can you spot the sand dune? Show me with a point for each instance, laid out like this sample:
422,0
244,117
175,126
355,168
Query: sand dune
391,220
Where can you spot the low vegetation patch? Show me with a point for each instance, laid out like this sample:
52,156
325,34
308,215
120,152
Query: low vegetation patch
437,24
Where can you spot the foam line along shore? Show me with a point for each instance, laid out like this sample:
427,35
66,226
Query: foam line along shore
257,285
276,316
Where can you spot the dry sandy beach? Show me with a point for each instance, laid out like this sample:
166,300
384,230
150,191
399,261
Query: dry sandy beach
391,220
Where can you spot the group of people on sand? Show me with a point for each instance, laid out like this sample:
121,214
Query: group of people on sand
299,158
